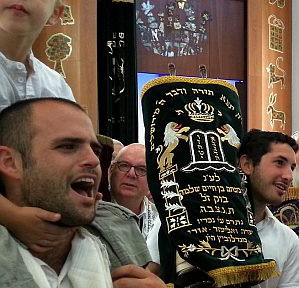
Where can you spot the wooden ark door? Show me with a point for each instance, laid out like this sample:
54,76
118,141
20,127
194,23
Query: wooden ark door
192,34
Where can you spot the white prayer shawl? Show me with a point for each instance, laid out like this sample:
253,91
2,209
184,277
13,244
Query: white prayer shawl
147,217
87,264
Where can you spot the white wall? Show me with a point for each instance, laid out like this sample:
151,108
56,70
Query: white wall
295,65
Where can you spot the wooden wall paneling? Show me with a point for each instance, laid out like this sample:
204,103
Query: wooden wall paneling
269,68
227,40
81,66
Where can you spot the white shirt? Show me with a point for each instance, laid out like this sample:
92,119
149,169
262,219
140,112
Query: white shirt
280,243
17,84
87,265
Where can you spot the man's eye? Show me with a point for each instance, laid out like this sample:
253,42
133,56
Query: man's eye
124,166
280,162
67,146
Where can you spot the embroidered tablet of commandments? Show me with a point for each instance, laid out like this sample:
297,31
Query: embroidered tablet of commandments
192,132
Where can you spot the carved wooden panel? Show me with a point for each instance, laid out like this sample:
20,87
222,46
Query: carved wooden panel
69,47
269,65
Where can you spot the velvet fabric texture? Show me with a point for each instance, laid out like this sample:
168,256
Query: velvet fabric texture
193,129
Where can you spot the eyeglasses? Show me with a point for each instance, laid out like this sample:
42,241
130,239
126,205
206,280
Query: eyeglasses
140,171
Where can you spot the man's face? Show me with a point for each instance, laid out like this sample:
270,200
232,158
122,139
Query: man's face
126,186
64,172
271,178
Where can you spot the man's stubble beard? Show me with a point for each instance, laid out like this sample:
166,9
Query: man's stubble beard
49,192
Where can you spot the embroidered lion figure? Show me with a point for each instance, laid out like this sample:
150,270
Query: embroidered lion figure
229,134
172,134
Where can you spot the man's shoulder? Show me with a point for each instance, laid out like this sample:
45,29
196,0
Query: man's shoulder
106,209
52,83
40,66
4,234
282,233
12,263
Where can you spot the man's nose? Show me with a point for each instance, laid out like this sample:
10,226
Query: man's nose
288,174
132,172
90,158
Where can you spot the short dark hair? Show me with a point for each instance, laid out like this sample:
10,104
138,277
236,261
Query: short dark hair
16,123
16,129
257,143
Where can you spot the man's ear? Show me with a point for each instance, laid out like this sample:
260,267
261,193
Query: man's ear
58,12
246,164
10,163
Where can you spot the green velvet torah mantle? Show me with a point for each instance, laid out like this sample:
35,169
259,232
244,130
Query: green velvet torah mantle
192,132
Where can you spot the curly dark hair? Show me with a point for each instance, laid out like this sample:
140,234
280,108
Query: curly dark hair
256,143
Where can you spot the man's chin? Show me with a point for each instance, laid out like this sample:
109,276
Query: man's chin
72,221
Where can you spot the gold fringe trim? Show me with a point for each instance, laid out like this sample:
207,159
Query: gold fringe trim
292,194
243,274
175,79
169,285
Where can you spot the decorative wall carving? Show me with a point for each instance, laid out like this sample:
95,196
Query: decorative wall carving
67,18
170,29
59,48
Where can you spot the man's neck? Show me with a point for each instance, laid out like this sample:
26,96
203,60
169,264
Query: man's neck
57,256
15,48
259,211
135,206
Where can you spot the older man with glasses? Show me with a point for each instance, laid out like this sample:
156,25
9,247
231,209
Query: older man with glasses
128,185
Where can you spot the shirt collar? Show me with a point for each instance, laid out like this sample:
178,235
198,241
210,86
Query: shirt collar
268,217
7,62
32,60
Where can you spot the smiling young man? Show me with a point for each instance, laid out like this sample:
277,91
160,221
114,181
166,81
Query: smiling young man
49,158
268,160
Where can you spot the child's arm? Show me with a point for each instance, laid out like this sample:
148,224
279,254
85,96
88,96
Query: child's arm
32,225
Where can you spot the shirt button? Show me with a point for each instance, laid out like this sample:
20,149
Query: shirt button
19,66
21,79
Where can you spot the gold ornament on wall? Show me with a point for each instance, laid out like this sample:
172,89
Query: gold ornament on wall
276,27
178,28
276,73
59,48
67,17
280,3
275,115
